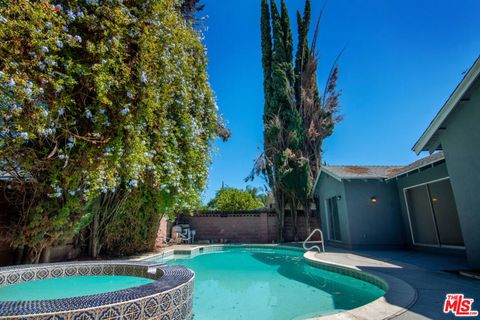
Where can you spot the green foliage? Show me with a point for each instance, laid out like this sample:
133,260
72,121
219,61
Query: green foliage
135,227
96,96
296,118
231,199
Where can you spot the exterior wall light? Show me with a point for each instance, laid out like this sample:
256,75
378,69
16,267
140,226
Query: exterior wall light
373,200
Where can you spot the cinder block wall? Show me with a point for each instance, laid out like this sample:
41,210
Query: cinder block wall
257,226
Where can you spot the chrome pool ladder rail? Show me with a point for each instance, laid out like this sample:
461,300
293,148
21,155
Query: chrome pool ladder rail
314,247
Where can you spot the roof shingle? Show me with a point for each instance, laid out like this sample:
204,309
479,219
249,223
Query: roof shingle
380,172
361,172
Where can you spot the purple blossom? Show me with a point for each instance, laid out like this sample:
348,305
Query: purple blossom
70,14
11,83
124,111
78,38
88,114
44,49
144,77
61,111
23,135
49,25
59,44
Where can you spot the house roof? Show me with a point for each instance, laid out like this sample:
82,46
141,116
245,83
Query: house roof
419,164
360,172
378,172
429,139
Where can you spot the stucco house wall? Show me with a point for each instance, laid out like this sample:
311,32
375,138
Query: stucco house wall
461,145
326,188
363,223
374,224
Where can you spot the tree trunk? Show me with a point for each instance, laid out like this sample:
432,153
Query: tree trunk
45,256
31,255
280,208
307,212
94,239
294,219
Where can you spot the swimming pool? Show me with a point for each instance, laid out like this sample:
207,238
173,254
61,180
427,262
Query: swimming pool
268,283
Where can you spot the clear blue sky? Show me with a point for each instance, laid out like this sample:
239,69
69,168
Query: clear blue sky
403,58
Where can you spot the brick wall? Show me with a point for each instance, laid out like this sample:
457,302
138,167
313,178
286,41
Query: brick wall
247,227
258,226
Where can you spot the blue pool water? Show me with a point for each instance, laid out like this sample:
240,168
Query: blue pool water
263,284
57,288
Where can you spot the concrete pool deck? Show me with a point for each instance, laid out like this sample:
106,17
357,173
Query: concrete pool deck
424,271
416,273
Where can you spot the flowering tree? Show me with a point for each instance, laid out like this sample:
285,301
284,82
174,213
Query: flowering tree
98,96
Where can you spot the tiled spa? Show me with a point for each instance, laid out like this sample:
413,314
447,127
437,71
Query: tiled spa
169,296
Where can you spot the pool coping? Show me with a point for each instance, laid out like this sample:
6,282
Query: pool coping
398,298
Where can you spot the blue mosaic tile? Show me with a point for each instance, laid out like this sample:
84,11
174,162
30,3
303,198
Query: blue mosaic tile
177,314
27,276
109,313
57,272
42,274
108,270
71,271
84,315
177,297
13,278
166,302
151,307
96,270
83,270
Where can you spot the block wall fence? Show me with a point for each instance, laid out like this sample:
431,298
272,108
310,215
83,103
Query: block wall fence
258,226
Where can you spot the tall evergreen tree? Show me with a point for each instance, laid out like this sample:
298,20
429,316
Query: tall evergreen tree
296,119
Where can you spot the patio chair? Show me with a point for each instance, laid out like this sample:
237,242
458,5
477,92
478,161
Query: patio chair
184,238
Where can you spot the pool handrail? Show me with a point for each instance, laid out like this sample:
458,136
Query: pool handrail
314,246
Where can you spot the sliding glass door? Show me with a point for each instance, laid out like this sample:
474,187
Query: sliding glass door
333,220
433,214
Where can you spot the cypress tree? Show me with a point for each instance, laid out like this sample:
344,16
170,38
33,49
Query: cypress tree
295,118
303,24
266,32
287,33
